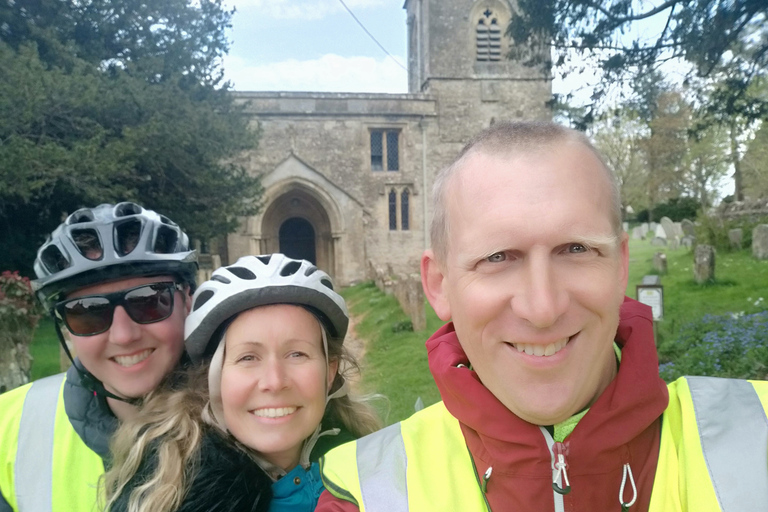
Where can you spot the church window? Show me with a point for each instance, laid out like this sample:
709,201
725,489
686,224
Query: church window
404,211
385,150
392,210
488,37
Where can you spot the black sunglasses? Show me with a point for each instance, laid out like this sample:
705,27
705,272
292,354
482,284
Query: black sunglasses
92,314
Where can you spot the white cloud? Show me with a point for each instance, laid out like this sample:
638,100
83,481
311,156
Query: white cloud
303,9
329,73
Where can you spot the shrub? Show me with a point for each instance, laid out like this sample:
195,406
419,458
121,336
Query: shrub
676,209
19,310
732,345
713,230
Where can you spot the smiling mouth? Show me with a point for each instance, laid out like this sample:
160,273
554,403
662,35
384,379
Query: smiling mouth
541,350
274,412
128,361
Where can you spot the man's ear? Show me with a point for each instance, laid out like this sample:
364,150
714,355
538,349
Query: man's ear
433,282
187,294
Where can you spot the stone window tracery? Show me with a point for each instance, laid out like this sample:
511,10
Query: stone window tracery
385,150
488,37
392,210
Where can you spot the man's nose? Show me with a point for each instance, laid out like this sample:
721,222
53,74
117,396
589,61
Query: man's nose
541,297
123,330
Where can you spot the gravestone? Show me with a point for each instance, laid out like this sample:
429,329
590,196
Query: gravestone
625,226
688,227
735,237
688,241
678,230
660,232
673,243
704,264
645,227
659,241
660,262
760,242
637,233
669,227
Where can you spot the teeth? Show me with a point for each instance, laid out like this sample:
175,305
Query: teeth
278,412
127,361
541,350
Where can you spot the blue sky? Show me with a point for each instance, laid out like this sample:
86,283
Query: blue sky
315,45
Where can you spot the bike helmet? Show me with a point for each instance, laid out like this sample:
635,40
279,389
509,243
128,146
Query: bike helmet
110,242
258,281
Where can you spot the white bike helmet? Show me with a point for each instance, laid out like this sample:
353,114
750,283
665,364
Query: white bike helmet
258,281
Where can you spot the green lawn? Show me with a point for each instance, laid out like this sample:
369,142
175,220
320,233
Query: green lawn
45,350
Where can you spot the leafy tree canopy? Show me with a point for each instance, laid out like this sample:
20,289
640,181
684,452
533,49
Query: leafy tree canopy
729,39
113,100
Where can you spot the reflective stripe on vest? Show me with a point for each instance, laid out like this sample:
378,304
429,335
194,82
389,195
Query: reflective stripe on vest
733,430
382,465
33,473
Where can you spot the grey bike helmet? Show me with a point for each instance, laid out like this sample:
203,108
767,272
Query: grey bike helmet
111,242
258,281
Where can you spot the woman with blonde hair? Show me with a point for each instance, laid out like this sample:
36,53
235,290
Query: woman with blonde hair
244,429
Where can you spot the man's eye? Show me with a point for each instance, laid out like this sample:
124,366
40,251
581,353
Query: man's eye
497,257
577,248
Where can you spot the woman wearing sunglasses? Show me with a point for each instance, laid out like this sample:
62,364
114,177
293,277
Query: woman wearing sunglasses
246,429
117,281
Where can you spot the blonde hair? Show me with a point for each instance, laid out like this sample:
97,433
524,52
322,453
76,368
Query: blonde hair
507,139
170,423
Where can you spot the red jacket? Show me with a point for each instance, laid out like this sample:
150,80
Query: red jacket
622,426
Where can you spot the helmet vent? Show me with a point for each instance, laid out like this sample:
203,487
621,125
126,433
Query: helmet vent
310,270
127,235
220,279
242,273
327,283
165,243
53,259
202,299
127,209
264,259
290,269
80,216
88,243
166,220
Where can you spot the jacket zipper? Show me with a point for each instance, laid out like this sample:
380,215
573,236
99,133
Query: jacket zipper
557,453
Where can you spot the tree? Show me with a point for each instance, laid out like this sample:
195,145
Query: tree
755,165
708,34
106,101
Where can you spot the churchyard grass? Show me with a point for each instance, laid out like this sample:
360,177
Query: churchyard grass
44,350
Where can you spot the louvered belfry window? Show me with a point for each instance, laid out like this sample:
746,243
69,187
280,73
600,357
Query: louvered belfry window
488,37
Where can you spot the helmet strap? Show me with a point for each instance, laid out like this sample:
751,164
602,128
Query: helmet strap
87,378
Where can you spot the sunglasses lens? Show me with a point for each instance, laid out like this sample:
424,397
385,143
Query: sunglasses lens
87,315
150,303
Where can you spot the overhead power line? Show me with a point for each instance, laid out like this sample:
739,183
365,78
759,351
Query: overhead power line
371,36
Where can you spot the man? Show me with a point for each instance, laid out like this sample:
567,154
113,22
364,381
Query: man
549,377
119,279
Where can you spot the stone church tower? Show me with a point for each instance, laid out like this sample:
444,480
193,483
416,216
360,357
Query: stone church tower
347,177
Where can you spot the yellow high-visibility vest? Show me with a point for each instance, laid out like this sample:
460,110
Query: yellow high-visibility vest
713,457
44,464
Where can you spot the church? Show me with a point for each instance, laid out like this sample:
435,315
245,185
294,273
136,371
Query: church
347,177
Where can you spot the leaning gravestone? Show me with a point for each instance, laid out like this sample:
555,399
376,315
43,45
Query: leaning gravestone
704,264
688,227
760,242
735,237
669,227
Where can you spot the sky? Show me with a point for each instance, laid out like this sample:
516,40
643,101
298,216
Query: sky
316,45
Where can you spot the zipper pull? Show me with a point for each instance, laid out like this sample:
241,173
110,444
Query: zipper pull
486,477
560,450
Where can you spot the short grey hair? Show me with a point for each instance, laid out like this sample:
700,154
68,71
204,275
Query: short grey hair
505,139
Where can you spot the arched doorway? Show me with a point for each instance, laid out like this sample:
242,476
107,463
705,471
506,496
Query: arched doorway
297,239
296,223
